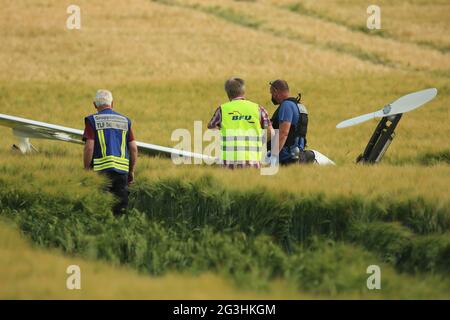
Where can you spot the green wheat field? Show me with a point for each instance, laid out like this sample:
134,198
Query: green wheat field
203,232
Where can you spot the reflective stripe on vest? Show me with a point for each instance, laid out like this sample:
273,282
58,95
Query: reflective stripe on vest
122,147
101,140
110,162
241,131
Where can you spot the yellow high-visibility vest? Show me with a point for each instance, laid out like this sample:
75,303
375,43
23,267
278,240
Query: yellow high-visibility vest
241,131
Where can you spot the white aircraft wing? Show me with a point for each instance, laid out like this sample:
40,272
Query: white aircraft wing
26,128
322,160
34,129
156,150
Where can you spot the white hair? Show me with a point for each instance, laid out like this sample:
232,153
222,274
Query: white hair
103,98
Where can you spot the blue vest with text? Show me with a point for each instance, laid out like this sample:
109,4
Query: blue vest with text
110,143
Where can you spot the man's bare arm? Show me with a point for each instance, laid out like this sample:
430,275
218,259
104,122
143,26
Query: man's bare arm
216,119
285,126
133,158
284,132
88,153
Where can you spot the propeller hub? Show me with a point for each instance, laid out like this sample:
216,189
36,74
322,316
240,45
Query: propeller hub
387,109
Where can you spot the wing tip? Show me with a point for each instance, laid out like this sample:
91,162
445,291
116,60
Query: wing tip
434,90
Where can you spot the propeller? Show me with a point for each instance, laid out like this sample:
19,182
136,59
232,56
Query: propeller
404,104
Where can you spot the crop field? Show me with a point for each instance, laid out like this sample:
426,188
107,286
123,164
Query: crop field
198,231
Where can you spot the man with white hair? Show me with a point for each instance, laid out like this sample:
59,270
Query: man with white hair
110,147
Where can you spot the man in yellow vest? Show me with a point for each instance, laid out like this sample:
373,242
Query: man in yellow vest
241,124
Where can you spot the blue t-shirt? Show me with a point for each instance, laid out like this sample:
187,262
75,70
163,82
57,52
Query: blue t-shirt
289,112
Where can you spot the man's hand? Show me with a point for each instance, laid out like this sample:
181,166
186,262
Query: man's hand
130,177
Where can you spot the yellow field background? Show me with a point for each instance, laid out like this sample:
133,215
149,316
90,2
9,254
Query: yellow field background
166,61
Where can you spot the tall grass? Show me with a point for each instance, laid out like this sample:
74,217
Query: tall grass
253,260
45,272
202,225
292,219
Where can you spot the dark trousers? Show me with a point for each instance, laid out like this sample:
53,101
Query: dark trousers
118,186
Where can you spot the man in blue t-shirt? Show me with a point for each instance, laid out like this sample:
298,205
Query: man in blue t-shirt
292,124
